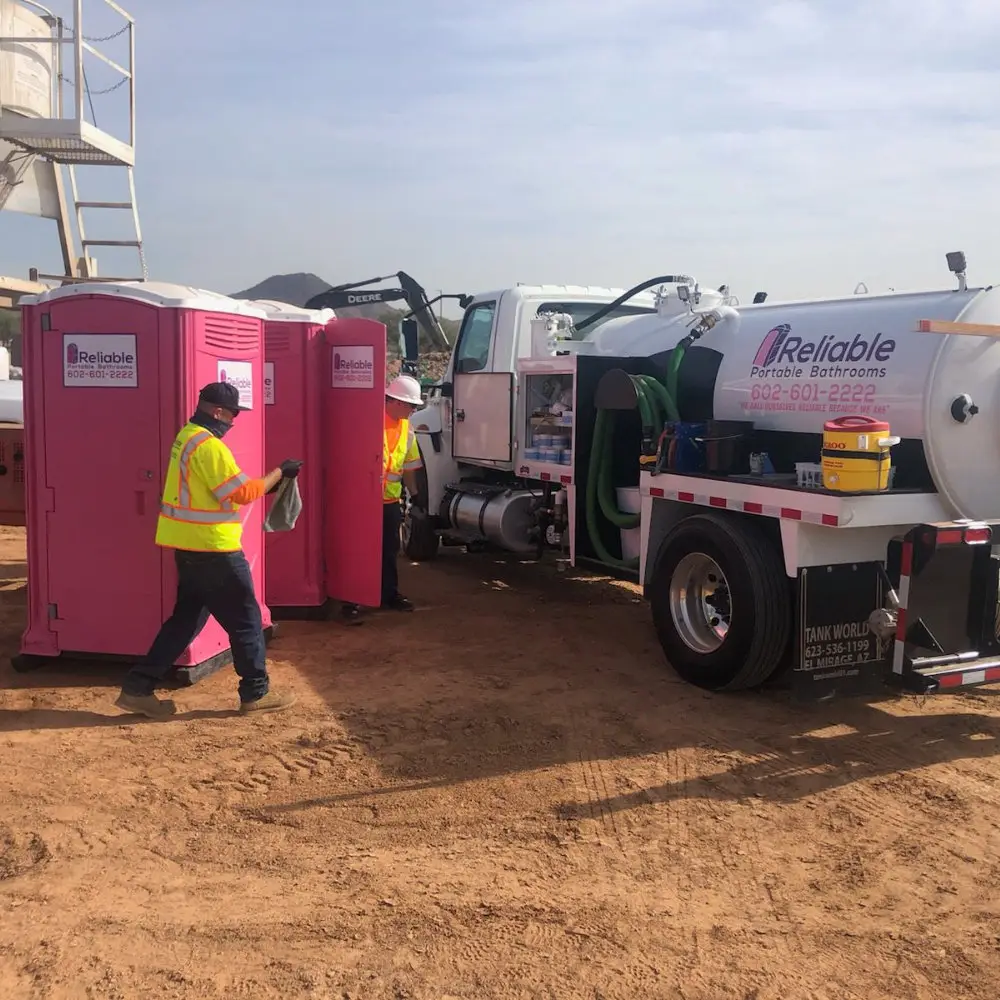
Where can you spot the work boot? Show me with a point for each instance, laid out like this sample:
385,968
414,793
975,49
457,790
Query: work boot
148,705
273,701
351,614
398,603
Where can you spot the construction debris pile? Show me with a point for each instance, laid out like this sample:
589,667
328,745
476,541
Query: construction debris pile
432,366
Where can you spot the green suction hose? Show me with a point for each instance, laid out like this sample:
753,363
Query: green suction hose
656,405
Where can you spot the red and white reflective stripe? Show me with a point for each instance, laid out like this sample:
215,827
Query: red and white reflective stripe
963,677
547,477
903,594
747,507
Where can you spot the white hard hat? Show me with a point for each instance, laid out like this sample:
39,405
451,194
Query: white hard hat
406,389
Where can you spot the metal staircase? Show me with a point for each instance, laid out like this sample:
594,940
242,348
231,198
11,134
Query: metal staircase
62,135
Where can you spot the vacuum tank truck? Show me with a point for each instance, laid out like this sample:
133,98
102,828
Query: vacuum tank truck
807,487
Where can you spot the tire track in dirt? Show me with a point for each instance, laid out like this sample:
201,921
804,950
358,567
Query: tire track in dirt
741,800
592,771
274,768
586,751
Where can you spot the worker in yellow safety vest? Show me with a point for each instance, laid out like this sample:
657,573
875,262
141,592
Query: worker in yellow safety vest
200,520
401,460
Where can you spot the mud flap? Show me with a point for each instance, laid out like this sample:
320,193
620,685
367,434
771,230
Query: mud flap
354,415
837,654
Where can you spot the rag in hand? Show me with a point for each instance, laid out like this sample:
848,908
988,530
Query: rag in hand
286,507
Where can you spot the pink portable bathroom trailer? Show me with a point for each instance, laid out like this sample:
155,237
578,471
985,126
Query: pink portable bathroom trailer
293,395
353,381
112,372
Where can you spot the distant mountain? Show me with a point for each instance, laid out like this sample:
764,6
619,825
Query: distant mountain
298,289
295,289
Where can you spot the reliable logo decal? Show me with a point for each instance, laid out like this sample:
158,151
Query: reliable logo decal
351,364
99,359
240,381
770,345
75,356
354,367
779,347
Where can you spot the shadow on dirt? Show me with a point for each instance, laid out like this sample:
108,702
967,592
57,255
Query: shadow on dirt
545,685
510,667
29,719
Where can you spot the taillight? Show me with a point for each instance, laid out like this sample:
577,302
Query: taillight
950,536
977,536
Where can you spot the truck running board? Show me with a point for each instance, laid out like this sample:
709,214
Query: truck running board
965,673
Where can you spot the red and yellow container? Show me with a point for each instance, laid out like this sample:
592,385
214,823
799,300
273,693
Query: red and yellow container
856,454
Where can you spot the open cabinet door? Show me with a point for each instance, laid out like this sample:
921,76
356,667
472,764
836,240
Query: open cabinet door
354,419
481,417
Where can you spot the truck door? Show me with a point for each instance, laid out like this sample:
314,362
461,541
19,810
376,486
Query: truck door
352,443
482,399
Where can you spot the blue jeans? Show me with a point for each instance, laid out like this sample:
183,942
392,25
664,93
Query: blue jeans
217,584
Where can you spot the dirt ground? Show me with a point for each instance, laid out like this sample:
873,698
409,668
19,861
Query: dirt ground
504,795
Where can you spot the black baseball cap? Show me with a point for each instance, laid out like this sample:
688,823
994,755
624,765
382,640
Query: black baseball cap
221,394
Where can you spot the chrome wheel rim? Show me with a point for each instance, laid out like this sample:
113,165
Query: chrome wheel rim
699,602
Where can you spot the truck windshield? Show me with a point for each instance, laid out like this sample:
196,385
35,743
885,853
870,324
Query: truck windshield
581,310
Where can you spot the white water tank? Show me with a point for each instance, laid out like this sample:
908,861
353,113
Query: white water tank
791,366
25,67
12,402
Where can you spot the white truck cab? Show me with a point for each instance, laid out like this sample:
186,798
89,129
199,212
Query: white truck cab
467,425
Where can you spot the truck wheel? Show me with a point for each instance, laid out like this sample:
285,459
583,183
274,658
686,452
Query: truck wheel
721,603
419,539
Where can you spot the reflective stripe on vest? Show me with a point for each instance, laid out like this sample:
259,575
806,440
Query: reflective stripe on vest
228,515
183,463
229,487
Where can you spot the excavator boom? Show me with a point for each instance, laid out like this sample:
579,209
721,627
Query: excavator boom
354,294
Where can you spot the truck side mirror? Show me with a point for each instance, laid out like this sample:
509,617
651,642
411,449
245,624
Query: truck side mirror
409,339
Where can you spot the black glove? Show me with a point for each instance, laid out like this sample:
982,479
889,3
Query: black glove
290,468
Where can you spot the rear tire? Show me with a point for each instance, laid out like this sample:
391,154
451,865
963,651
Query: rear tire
721,603
419,539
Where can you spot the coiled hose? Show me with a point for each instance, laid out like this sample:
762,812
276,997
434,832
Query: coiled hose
656,404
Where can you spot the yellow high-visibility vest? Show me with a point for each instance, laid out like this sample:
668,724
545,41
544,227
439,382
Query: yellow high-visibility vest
401,454
196,513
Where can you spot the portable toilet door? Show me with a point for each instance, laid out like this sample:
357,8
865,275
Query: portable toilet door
94,447
354,426
294,371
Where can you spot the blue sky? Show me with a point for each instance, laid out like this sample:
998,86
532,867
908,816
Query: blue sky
798,147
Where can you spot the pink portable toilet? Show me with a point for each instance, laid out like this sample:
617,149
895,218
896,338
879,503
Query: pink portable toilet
354,426
293,396
112,371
